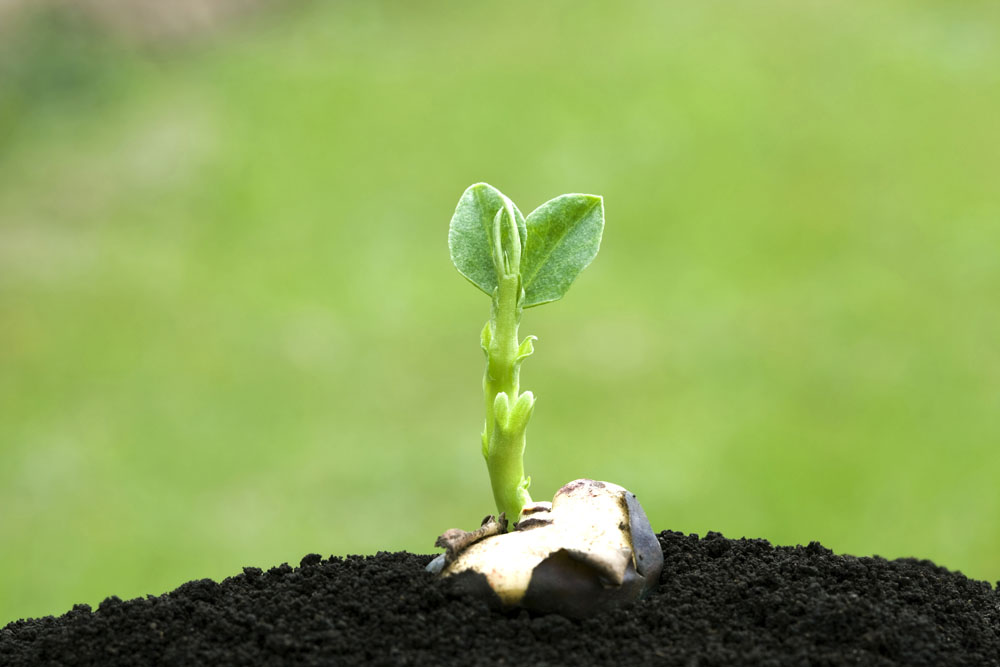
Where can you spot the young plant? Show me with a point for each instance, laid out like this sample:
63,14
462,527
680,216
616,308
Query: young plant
592,547
520,262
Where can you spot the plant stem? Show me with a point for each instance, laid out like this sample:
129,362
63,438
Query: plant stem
507,410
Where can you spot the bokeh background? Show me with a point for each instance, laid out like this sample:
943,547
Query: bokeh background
230,333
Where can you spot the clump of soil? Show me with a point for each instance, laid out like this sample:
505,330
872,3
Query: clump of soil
720,602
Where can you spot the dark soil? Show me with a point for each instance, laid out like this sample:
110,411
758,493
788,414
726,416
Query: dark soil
720,602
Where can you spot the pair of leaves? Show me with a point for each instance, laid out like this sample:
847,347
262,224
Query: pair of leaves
558,240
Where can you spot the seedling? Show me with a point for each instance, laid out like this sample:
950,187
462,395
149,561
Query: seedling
592,547
520,263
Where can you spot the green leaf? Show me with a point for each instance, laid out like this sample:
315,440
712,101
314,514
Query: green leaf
525,349
486,337
564,235
521,411
501,410
470,235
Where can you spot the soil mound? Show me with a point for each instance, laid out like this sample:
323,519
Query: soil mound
720,602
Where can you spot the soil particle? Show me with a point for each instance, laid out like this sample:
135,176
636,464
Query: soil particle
720,602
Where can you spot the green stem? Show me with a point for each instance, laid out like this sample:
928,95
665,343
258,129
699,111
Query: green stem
507,410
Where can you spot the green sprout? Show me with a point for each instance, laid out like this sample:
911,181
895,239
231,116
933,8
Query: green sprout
520,262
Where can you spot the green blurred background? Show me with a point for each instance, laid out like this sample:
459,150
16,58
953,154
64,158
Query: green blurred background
230,333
